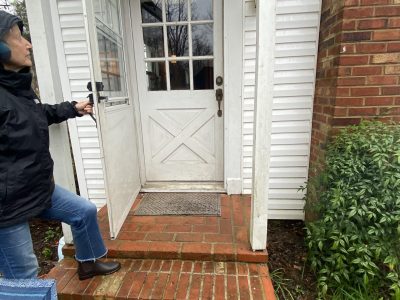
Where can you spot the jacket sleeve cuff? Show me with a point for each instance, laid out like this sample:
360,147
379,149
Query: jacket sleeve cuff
77,114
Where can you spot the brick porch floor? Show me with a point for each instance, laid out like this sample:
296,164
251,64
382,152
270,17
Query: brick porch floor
222,238
176,257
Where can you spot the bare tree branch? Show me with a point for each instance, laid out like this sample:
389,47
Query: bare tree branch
5,5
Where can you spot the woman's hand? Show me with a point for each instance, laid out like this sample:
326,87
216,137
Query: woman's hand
84,107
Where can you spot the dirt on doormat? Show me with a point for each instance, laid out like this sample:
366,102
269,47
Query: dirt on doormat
291,277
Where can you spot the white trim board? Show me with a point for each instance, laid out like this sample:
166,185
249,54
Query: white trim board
262,123
233,81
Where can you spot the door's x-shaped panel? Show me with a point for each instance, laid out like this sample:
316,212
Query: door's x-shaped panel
196,134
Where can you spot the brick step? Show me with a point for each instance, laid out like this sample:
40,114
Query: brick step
180,250
167,279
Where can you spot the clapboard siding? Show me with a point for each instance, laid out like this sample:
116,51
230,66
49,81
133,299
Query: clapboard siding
297,26
77,63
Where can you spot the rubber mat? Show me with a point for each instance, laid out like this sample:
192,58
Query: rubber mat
158,204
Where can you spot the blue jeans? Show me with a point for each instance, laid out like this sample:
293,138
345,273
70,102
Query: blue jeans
17,259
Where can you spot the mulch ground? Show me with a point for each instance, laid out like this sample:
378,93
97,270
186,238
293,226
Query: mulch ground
45,237
287,255
291,276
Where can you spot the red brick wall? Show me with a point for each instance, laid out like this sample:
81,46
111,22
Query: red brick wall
326,80
369,62
358,67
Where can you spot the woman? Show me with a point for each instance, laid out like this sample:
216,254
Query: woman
27,187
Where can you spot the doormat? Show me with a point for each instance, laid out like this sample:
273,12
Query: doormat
158,204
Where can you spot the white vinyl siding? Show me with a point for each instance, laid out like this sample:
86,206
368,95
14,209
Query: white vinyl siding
297,27
84,137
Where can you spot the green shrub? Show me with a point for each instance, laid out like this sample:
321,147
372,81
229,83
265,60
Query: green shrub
46,252
356,240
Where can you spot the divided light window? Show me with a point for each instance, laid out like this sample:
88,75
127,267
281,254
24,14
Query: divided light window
111,51
178,40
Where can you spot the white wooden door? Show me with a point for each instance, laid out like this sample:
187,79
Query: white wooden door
115,115
178,49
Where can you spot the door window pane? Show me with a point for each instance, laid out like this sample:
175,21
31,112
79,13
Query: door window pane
203,74
151,11
156,80
202,39
107,12
178,44
179,75
112,65
114,25
202,10
153,42
176,10
183,54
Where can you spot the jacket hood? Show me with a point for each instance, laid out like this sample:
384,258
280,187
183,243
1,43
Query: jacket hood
7,21
16,82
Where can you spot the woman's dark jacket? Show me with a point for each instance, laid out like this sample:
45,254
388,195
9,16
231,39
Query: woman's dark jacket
26,167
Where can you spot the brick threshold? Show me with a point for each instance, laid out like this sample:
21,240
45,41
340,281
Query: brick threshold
167,279
188,251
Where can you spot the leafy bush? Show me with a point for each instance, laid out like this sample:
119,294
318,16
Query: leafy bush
355,243
47,252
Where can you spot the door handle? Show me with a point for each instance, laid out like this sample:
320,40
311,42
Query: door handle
219,95
90,96
99,88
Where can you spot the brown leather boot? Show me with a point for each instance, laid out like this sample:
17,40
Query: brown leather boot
88,269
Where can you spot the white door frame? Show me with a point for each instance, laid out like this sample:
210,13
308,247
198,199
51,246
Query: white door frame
233,82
